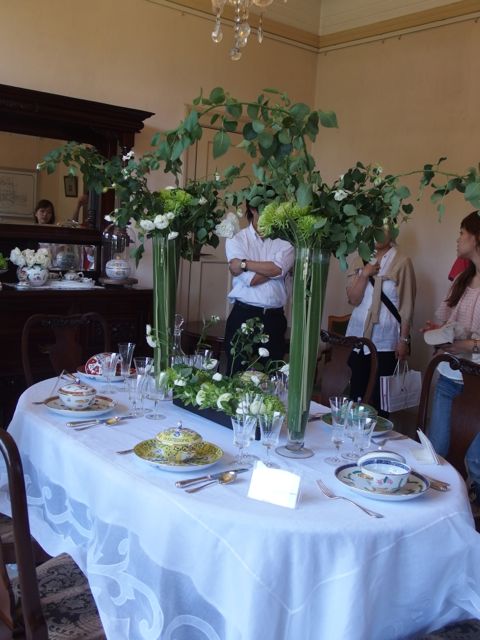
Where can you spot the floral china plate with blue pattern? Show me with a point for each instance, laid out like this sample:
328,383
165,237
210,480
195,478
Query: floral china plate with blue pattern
350,475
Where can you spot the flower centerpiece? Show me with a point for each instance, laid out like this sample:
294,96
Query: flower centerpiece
32,263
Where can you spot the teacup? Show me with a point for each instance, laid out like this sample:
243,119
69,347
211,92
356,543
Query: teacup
77,395
383,475
178,444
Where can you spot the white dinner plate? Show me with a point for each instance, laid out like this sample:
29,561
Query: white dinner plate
208,455
416,485
71,284
99,406
95,377
382,425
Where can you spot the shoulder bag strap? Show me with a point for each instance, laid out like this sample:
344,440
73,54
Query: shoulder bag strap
387,302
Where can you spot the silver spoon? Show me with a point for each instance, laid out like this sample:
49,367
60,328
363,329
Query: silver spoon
109,422
225,478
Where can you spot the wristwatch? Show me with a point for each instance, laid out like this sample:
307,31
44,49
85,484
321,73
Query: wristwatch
406,340
475,346
243,265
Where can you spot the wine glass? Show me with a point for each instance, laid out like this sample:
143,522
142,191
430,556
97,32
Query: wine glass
270,427
156,390
339,406
126,349
243,426
360,422
363,434
143,366
109,363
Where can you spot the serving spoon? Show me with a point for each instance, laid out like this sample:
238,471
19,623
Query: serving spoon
225,478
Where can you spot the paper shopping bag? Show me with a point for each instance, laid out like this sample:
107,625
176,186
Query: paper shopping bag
401,390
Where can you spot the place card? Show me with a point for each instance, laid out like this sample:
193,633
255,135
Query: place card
427,454
276,486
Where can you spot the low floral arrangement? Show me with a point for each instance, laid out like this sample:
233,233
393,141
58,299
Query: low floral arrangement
30,258
3,262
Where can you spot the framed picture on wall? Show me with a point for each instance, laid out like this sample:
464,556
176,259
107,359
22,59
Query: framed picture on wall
18,190
71,186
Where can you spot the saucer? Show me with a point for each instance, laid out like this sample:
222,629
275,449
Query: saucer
99,406
97,377
208,455
382,425
416,485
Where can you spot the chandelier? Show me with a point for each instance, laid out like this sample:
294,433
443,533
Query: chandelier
241,28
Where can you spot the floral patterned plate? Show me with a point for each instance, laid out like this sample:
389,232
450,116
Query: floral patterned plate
97,377
382,425
99,406
349,475
208,454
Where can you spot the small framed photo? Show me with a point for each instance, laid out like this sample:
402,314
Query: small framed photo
71,186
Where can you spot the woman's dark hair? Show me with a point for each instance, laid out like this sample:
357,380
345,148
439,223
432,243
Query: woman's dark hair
471,224
44,204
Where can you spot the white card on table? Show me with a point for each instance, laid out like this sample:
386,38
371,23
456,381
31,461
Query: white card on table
276,486
427,454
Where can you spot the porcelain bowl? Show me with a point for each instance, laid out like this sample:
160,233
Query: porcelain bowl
384,454
77,395
178,444
383,475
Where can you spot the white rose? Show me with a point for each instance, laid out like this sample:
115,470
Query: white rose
147,225
149,329
202,200
285,369
200,397
128,156
180,382
255,380
223,399
170,215
211,363
257,407
263,353
217,377
108,218
151,341
170,188
17,257
161,221
340,195
172,235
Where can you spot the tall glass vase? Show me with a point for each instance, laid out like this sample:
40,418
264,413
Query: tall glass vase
166,258
309,284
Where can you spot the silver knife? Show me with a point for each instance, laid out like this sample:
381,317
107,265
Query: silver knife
212,476
77,423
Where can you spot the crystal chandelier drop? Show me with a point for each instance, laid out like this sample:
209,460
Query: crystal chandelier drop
241,28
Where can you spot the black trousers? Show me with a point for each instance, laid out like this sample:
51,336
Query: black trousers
359,363
275,325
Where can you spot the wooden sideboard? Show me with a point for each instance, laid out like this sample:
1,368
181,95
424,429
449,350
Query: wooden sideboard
127,311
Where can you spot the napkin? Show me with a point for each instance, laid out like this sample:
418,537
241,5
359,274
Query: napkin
276,486
426,454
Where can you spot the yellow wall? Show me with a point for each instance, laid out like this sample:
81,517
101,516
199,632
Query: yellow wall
401,102
404,102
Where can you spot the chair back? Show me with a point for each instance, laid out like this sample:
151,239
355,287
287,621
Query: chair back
465,417
33,619
338,324
52,343
335,375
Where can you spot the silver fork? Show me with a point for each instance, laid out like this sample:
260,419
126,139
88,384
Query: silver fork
381,441
329,493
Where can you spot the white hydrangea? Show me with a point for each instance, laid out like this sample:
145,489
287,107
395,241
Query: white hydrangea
217,377
228,227
340,194
147,225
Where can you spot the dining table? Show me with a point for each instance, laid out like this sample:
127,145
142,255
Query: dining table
218,565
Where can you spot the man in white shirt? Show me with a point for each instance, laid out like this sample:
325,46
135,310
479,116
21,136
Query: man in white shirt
259,266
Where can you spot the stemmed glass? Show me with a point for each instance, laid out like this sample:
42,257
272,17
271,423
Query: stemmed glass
109,363
143,366
339,406
361,420
156,391
126,349
243,426
270,427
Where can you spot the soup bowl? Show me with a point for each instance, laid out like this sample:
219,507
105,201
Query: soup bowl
383,475
178,444
77,395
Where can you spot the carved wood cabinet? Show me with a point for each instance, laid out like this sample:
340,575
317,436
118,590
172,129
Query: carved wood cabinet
127,311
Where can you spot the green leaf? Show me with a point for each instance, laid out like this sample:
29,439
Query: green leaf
234,109
349,210
299,110
191,120
403,192
364,251
304,195
249,132
252,111
156,139
221,144
230,125
177,149
472,192
284,136
275,91
328,119
265,139
258,126
214,118
217,95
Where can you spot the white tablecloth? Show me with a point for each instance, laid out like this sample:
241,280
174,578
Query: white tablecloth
166,564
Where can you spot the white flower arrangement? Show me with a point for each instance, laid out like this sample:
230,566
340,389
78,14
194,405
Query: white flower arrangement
30,257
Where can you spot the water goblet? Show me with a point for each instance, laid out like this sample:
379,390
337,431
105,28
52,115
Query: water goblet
143,366
243,425
109,362
361,418
270,427
156,390
362,435
339,406
126,349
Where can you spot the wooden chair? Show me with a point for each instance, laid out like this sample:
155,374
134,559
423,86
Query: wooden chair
465,421
338,324
464,630
55,601
335,374
52,343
